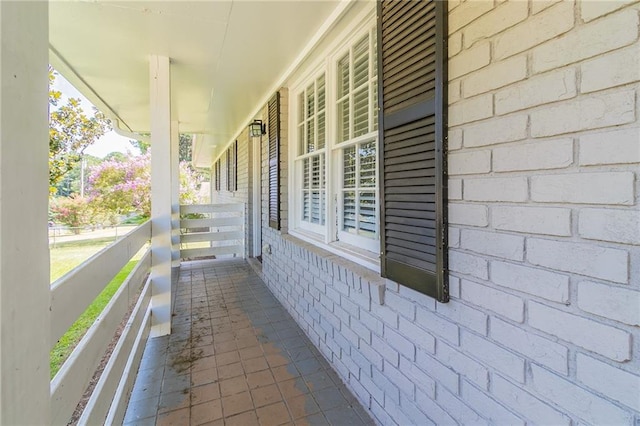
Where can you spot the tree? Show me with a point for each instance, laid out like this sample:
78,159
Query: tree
184,146
121,187
71,182
125,187
70,133
71,211
116,156
143,146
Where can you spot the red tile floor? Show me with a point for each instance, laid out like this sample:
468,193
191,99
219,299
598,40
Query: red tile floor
235,357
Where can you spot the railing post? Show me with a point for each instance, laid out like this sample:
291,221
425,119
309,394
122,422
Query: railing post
159,73
24,249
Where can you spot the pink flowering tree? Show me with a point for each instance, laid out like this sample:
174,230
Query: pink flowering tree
71,211
122,187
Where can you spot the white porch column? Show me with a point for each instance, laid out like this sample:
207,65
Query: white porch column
24,250
175,200
160,98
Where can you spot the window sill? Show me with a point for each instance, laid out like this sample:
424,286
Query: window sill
363,257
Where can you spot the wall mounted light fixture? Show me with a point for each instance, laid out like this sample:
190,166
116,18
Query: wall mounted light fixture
257,128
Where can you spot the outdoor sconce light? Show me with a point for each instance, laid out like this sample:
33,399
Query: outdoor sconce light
256,128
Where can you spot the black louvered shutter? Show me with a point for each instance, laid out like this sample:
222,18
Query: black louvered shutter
412,79
217,173
274,161
232,167
228,158
234,162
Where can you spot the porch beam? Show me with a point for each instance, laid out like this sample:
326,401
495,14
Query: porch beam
24,189
161,198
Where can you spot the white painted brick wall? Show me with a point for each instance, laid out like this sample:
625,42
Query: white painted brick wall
492,410
505,246
497,301
532,220
512,128
470,60
613,147
543,351
592,112
614,69
607,341
513,189
535,30
497,20
542,326
531,407
468,264
592,10
553,154
538,282
621,226
495,76
463,365
610,381
616,303
470,110
468,214
588,41
543,89
585,188
470,162
575,400
584,259
499,359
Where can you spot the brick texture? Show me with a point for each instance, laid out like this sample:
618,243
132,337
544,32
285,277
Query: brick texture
544,275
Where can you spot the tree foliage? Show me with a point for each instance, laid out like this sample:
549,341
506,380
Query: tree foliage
71,183
184,146
122,187
71,131
74,212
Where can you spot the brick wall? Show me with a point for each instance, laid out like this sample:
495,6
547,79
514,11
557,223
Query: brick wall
543,322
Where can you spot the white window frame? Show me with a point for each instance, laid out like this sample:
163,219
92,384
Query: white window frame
299,157
360,249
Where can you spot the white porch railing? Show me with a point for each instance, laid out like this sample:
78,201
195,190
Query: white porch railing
70,297
221,227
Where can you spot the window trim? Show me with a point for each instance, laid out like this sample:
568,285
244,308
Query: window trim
326,236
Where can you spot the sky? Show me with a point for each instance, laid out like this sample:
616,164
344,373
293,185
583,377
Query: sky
108,143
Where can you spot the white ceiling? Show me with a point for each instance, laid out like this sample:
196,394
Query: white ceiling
226,57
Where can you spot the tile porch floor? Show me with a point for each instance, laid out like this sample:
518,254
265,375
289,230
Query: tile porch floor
235,357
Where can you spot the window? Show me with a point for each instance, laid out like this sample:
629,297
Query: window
336,197
356,136
413,128
311,124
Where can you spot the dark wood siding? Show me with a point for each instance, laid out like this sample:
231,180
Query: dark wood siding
274,161
412,78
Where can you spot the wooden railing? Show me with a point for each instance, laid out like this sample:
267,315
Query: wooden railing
220,226
70,297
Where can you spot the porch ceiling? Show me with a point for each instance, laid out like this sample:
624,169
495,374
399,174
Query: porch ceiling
226,57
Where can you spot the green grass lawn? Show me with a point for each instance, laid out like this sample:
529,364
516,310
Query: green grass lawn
67,257
63,260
